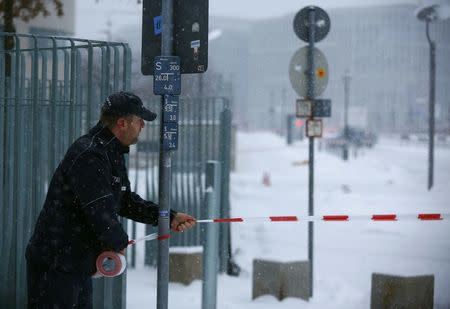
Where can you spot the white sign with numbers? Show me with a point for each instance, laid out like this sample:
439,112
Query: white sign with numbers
314,127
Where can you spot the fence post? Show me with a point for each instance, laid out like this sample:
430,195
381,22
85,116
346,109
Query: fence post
225,138
226,262
211,242
289,133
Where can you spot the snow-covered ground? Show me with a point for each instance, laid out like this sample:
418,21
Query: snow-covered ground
391,178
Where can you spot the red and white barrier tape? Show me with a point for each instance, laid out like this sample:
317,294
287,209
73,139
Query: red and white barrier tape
376,217
112,264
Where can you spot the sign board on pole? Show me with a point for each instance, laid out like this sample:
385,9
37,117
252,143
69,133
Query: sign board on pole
298,71
303,108
190,34
313,108
314,127
321,27
322,108
167,77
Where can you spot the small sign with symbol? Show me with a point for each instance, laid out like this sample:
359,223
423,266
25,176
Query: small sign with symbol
321,23
303,108
322,108
164,213
314,127
157,24
313,108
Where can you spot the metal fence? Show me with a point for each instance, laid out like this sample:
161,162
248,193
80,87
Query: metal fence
204,134
50,90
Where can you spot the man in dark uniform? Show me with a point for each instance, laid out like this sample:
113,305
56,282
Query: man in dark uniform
79,220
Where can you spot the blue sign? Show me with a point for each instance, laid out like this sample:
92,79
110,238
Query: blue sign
157,24
167,75
164,213
322,108
195,44
170,108
170,136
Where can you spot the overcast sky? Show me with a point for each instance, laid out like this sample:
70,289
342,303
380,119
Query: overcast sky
92,17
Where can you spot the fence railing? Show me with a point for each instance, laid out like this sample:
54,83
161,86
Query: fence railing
50,92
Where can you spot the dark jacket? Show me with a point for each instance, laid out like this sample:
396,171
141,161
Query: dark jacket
88,191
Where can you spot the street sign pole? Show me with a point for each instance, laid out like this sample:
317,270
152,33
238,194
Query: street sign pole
181,28
165,171
311,74
308,73
429,14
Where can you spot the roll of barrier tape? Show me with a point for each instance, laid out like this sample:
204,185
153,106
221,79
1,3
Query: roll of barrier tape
110,264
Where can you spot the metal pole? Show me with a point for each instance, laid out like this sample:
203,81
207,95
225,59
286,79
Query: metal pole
211,244
311,147
346,103
272,112
283,110
225,257
165,170
431,107
289,138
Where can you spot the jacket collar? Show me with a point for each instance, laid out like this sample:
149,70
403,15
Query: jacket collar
107,138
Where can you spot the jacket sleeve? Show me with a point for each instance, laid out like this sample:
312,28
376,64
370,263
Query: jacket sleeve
90,179
137,209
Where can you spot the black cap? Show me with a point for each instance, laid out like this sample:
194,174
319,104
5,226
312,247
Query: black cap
126,103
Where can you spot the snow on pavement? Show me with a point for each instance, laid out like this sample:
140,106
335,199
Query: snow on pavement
390,178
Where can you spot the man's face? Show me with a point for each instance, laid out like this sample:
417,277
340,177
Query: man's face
132,129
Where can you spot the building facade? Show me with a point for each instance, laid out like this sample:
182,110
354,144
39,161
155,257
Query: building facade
385,50
52,24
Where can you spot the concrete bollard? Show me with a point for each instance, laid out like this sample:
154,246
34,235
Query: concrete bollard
185,264
281,279
296,280
402,292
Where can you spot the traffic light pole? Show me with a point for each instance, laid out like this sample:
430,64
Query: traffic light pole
165,172
311,147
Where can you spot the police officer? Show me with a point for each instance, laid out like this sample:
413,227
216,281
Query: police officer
79,219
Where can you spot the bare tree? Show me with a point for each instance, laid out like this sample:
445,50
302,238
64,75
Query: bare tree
25,10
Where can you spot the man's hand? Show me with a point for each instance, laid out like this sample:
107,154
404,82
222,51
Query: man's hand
182,222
